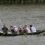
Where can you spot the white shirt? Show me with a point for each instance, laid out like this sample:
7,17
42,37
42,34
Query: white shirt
33,29
28,30
16,29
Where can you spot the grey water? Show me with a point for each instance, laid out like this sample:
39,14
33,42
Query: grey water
22,40
20,15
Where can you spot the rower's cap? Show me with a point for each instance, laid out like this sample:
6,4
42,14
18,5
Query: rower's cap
30,25
11,26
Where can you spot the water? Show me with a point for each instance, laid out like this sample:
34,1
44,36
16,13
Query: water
19,16
22,40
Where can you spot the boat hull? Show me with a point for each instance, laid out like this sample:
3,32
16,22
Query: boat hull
10,34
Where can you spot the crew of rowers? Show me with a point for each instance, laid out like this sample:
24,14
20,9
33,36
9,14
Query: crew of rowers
15,30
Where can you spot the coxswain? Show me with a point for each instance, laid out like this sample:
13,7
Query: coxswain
4,29
32,28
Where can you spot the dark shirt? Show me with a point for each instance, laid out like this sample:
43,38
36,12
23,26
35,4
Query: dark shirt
4,29
12,30
20,30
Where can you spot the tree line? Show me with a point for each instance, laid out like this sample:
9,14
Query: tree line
22,1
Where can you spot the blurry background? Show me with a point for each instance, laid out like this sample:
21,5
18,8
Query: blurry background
22,1
20,15
20,12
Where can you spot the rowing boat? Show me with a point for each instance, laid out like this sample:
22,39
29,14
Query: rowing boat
10,34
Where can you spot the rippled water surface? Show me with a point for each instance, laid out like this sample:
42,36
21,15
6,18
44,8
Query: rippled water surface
22,40
20,15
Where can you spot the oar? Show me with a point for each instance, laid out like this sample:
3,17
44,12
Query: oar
2,22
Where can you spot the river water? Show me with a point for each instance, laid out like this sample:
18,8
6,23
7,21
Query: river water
23,40
20,15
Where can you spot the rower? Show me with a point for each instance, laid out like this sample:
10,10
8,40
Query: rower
24,29
4,29
27,29
16,29
32,28
20,30
12,29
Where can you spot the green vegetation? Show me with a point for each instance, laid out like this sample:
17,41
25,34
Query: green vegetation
22,1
